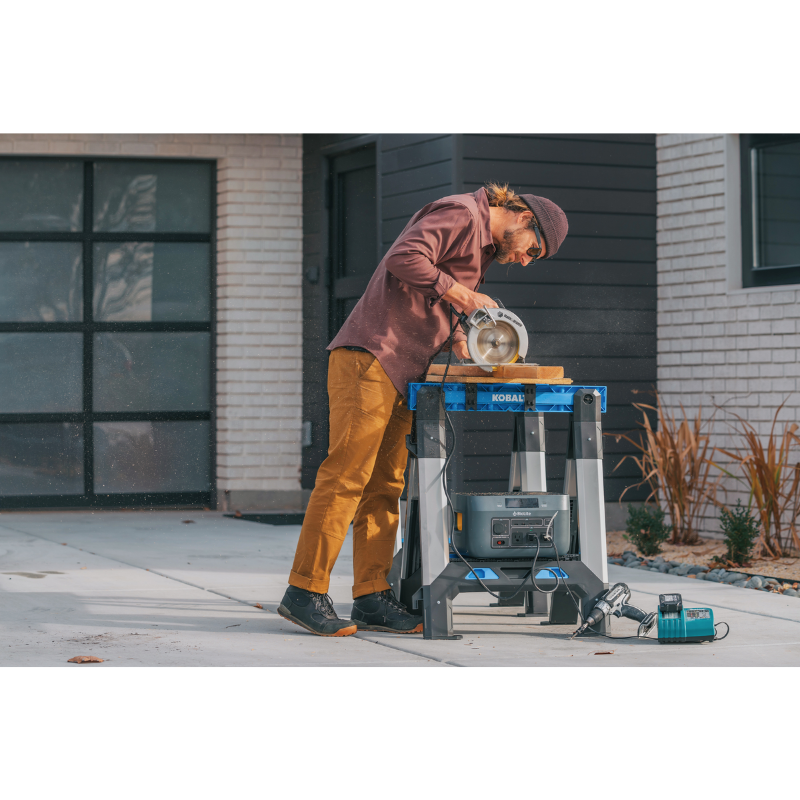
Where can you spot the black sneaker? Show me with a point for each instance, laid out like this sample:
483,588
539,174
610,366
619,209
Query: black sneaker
314,612
381,611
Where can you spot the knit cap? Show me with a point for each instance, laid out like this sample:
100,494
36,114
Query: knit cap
552,221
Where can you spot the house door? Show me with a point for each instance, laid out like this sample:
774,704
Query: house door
353,250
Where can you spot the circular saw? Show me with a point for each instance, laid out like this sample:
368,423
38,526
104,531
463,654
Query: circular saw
495,337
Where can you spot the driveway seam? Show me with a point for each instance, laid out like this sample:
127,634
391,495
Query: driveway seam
729,608
407,652
212,591
135,566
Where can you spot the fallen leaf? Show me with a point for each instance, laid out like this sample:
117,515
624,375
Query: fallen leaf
83,568
604,653
63,544
258,605
188,522
234,626
84,659
237,513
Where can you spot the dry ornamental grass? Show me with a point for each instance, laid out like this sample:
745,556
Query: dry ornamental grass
676,465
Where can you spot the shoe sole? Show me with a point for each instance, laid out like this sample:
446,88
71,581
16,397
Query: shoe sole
384,629
284,612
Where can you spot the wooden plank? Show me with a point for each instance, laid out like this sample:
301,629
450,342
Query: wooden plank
490,379
507,372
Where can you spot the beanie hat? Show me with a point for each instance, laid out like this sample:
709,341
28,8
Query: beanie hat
552,221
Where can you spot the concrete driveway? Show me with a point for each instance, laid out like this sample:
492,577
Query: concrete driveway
146,588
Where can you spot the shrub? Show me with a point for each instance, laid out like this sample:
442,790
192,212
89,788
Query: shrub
676,465
645,529
741,528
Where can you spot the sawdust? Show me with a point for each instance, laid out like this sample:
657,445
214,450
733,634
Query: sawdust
704,552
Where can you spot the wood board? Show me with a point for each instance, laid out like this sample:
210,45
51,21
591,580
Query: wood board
507,372
489,379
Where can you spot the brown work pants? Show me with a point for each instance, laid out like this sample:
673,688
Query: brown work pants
360,481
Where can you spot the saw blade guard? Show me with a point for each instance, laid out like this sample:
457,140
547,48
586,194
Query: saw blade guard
496,337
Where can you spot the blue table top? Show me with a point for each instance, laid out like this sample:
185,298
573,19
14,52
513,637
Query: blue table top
508,396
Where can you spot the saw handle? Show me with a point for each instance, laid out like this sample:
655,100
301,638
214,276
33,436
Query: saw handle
462,319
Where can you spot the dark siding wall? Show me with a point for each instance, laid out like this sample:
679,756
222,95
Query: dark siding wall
592,309
413,169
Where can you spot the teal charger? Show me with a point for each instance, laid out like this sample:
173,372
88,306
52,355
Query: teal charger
677,624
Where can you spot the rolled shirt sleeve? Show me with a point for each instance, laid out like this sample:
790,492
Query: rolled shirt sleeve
439,235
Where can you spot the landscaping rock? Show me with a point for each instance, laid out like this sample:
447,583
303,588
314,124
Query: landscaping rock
697,568
630,554
791,593
674,563
712,577
701,576
738,583
663,567
755,583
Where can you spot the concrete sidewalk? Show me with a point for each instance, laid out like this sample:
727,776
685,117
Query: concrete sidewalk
147,589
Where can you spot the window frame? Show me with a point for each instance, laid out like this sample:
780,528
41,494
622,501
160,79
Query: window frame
754,276
88,327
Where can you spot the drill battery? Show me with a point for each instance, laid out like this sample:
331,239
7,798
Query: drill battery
677,624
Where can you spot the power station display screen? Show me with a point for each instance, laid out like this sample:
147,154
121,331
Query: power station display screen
522,502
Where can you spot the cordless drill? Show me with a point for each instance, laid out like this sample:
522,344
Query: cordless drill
615,601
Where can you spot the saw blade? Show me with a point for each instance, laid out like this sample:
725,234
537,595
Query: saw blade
498,344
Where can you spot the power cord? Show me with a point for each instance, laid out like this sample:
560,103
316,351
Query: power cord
449,455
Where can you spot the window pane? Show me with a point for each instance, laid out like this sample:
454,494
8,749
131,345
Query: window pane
40,372
146,282
151,457
41,195
151,371
359,223
152,196
41,282
779,205
41,458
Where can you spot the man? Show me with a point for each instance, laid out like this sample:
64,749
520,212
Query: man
398,326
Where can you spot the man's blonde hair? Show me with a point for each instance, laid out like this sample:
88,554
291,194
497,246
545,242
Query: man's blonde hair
500,196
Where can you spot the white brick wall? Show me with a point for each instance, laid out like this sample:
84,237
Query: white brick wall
716,341
259,296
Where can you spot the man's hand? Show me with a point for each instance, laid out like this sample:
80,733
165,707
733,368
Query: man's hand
460,350
468,301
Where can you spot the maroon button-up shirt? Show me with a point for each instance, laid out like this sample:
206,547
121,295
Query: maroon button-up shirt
401,318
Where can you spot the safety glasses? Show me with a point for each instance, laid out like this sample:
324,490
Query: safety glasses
536,252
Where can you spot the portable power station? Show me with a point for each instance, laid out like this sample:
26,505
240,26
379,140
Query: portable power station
510,525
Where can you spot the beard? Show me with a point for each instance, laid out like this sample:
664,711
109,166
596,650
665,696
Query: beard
512,242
